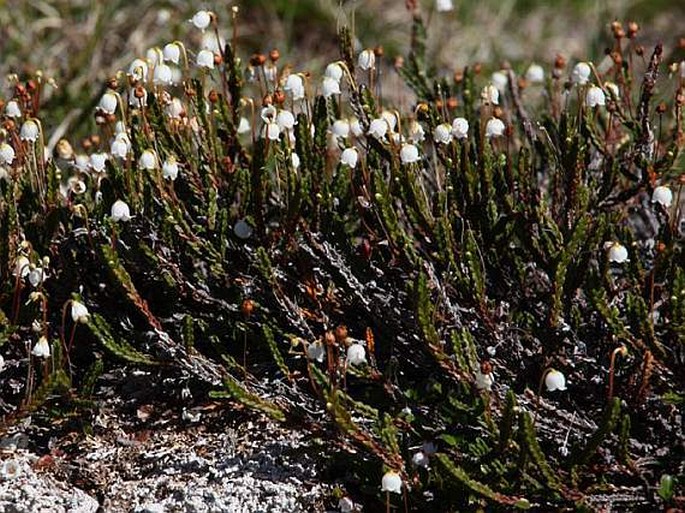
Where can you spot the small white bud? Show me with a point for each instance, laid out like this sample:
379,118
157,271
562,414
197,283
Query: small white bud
120,211
443,133
616,252
595,97
349,157
490,95
356,354
42,348
205,59
662,195
391,482
555,380
367,60
500,81
201,20
494,128
416,132
79,312
29,131
315,351
535,74
460,128
147,160
170,169
581,73
172,52
409,154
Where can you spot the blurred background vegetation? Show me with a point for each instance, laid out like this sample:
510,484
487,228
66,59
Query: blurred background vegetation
81,43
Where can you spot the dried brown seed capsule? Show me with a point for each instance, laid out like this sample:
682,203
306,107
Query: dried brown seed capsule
139,92
616,57
438,103
522,83
660,247
257,59
329,338
640,50
662,107
95,139
633,28
31,85
559,61
498,112
86,144
8,125
452,103
113,84
213,96
228,165
458,76
399,62
274,55
279,97
111,118
267,100
20,90
217,59
485,367
477,68
247,308
341,334
379,51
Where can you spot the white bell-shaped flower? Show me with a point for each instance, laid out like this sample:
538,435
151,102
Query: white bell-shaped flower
138,70
378,128
555,380
391,482
494,128
42,348
162,74
243,126
295,160
98,161
285,120
420,459
617,253
201,19
346,505
12,109
460,128
22,267
120,146
316,351
356,354
613,90
120,211
205,59
535,74
147,160
500,80
335,71
581,73
444,5
595,97
273,131
172,52
341,128
416,132
79,312
490,95
37,276
366,60
662,195
349,157
29,131
294,85
356,127
170,169
390,118
7,154
330,87
443,133
409,154
108,103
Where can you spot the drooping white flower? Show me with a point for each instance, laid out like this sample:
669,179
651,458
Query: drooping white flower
79,312
2,363
378,128
172,52
138,70
555,380
170,169
662,195
616,252
120,211
42,348
205,59
12,109
460,128
484,381
243,126
335,71
366,60
443,133
136,102
120,146
147,160
330,87
391,482
201,19
409,154
416,132
356,127
37,276
349,157
163,75
295,86
581,73
535,74
22,266
295,160
273,131
613,89
356,354
269,114
108,103
285,120
595,97
154,56
316,351
341,128
494,128
211,43
500,80
420,459
390,118
444,5
346,505
97,162
29,131
7,154
490,95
